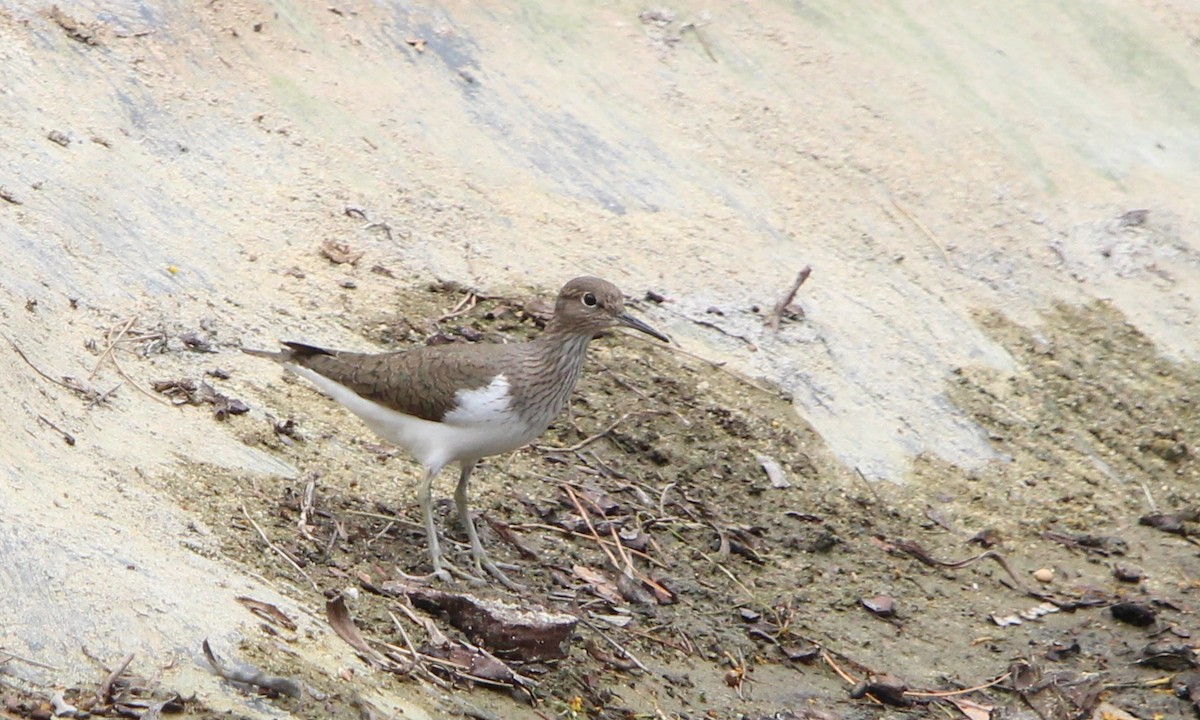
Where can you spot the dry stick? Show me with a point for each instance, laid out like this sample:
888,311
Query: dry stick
776,314
952,693
837,668
661,641
844,675
73,388
112,343
629,570
588,521
415,660
278,550
699,36
870,487
620,648
66,436
920,225
137,387
730,575
402,521
464,306
108,353
637,391
6,655
105,692
922,556
1149,497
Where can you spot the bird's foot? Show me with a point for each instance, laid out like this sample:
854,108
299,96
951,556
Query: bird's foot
461,574
440,575
484,564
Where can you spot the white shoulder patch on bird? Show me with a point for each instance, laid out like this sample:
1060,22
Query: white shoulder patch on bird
482,406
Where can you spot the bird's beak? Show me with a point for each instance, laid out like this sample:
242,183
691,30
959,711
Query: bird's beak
630,321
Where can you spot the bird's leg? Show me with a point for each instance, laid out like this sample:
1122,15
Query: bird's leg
443,569
482,561
425,501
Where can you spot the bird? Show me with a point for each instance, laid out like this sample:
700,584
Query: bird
460,403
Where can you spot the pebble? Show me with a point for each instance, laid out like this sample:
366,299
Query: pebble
1044,575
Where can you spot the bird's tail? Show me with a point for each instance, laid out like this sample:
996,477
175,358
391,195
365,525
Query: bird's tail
295,352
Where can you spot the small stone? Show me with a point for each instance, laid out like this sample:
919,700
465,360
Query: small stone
1128,574
1043,575
880,605
1132,613
749,615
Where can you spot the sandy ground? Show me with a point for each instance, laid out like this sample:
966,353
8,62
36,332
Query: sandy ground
999,207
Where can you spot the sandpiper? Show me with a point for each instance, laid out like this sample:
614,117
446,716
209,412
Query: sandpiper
460,403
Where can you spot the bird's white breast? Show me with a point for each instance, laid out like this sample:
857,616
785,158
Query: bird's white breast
488,405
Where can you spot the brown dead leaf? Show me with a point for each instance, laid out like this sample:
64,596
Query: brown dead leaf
339,619
600,585
267,612
973,710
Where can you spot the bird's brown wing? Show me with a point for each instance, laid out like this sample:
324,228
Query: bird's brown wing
422,382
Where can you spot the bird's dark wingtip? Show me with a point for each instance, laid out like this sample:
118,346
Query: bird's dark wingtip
300,350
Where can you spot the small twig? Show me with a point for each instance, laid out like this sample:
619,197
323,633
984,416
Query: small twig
952,693
103,397
76,388
112,340
730,575
68,437
389,518
921,226
415,662
252,676
837,668
1149,498
464,306
870,486
505,531
588,521
137,387
280,551
736,336
620,648
776,314
104,694
629,569
6,655
699,36
637,391
387,229
914,549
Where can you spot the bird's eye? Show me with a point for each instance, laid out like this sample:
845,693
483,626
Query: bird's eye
590,300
